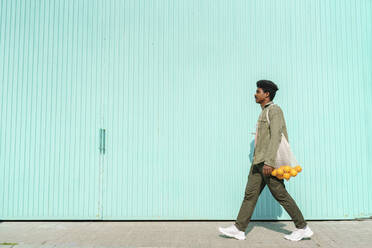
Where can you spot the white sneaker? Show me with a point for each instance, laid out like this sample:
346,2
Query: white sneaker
300,234
232,232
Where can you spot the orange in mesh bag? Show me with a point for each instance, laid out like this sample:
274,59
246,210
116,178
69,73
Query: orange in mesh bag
286,165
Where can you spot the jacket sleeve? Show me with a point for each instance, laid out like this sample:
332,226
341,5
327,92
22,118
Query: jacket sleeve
275,130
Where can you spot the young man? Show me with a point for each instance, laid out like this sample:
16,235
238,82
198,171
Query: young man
267,140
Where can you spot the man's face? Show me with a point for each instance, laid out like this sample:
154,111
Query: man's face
260,95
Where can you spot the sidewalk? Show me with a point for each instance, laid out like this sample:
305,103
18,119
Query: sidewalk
193,234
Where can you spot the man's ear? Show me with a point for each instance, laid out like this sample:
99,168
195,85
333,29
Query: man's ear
267,94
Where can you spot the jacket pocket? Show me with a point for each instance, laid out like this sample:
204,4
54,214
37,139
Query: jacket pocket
262,123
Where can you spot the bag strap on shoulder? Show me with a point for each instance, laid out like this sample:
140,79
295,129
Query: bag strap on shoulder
267,116
267,113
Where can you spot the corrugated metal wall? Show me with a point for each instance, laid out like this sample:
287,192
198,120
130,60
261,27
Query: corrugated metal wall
172,83
50,90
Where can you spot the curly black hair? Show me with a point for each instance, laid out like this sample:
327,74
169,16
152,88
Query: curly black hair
268,86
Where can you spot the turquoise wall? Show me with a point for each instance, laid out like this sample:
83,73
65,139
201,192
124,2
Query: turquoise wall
172,84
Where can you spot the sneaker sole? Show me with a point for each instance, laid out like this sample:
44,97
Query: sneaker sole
307,235
229,235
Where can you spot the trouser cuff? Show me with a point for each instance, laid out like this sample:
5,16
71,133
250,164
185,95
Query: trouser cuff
301,226
239,227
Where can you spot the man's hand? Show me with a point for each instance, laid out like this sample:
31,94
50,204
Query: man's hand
266,170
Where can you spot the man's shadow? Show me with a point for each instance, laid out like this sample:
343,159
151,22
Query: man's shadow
267,209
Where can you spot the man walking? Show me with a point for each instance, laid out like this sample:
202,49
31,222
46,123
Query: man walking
267,140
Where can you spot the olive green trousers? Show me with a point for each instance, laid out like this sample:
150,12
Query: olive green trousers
256,183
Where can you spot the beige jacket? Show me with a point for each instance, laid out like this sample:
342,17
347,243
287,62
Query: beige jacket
269,136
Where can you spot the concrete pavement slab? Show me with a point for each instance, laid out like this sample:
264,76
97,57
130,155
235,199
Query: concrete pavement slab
103,234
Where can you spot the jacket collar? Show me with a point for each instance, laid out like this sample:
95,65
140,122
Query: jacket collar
268,104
